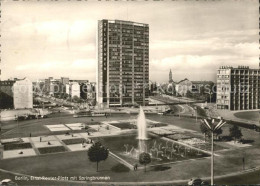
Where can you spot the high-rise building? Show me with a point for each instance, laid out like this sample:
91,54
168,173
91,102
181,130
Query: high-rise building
238,88
23,94
123,63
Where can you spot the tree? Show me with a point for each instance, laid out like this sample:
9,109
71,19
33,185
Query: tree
204,130
97,153
189,94
144,159
235,132
218,132
76,99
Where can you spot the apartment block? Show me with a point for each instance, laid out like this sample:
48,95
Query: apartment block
238,88
123,63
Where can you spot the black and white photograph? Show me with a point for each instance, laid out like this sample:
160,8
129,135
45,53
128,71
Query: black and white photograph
129,92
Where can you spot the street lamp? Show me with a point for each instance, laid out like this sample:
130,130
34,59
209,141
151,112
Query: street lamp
212,128
196,113
210,94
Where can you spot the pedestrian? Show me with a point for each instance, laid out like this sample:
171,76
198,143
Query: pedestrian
135,167
40,139
30,134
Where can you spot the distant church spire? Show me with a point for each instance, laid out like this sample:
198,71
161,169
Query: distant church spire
170,76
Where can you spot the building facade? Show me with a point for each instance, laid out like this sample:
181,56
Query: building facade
65,80
87,91
23,94
238,88
7,87
73,89
123,63
6,94
183,86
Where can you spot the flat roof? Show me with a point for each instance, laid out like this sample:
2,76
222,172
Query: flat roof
125,22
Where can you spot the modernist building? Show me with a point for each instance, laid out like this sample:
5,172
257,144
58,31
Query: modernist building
238,88
73,89
23,94
87,91
7,87
6,94
123,63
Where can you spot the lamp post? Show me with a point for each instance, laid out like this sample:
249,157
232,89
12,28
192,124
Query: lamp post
212,128
196,113
210,94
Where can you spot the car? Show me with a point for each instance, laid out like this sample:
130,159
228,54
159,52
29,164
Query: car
195,181
205,183
8,182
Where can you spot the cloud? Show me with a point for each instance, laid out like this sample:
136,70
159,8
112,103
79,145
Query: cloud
84,63
195,67
191,37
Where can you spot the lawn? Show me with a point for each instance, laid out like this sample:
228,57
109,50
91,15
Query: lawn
47,150
125,125
74,141
15,146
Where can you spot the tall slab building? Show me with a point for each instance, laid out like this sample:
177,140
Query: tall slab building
238,88
123,63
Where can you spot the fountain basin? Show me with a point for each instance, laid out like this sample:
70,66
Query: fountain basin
161,150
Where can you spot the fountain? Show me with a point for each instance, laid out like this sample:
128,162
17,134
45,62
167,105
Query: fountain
160,150
142,131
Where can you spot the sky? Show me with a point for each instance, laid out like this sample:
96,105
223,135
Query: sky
42,39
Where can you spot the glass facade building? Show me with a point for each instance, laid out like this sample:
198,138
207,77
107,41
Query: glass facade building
123,63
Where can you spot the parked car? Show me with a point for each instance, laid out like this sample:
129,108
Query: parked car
8,182
205,183
168,112
195,181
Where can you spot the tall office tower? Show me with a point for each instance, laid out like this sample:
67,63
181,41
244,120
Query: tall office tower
238,88
23,94
123,63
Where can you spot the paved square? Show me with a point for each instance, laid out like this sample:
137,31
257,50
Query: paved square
44,141
59,127
75,126
79,147
26,140
64,137
113,122
43,138
85,135
15,153
47,144
100,128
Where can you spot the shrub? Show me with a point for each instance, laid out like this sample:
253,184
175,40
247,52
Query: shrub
120,168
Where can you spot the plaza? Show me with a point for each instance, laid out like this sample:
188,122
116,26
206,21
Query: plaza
64,143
